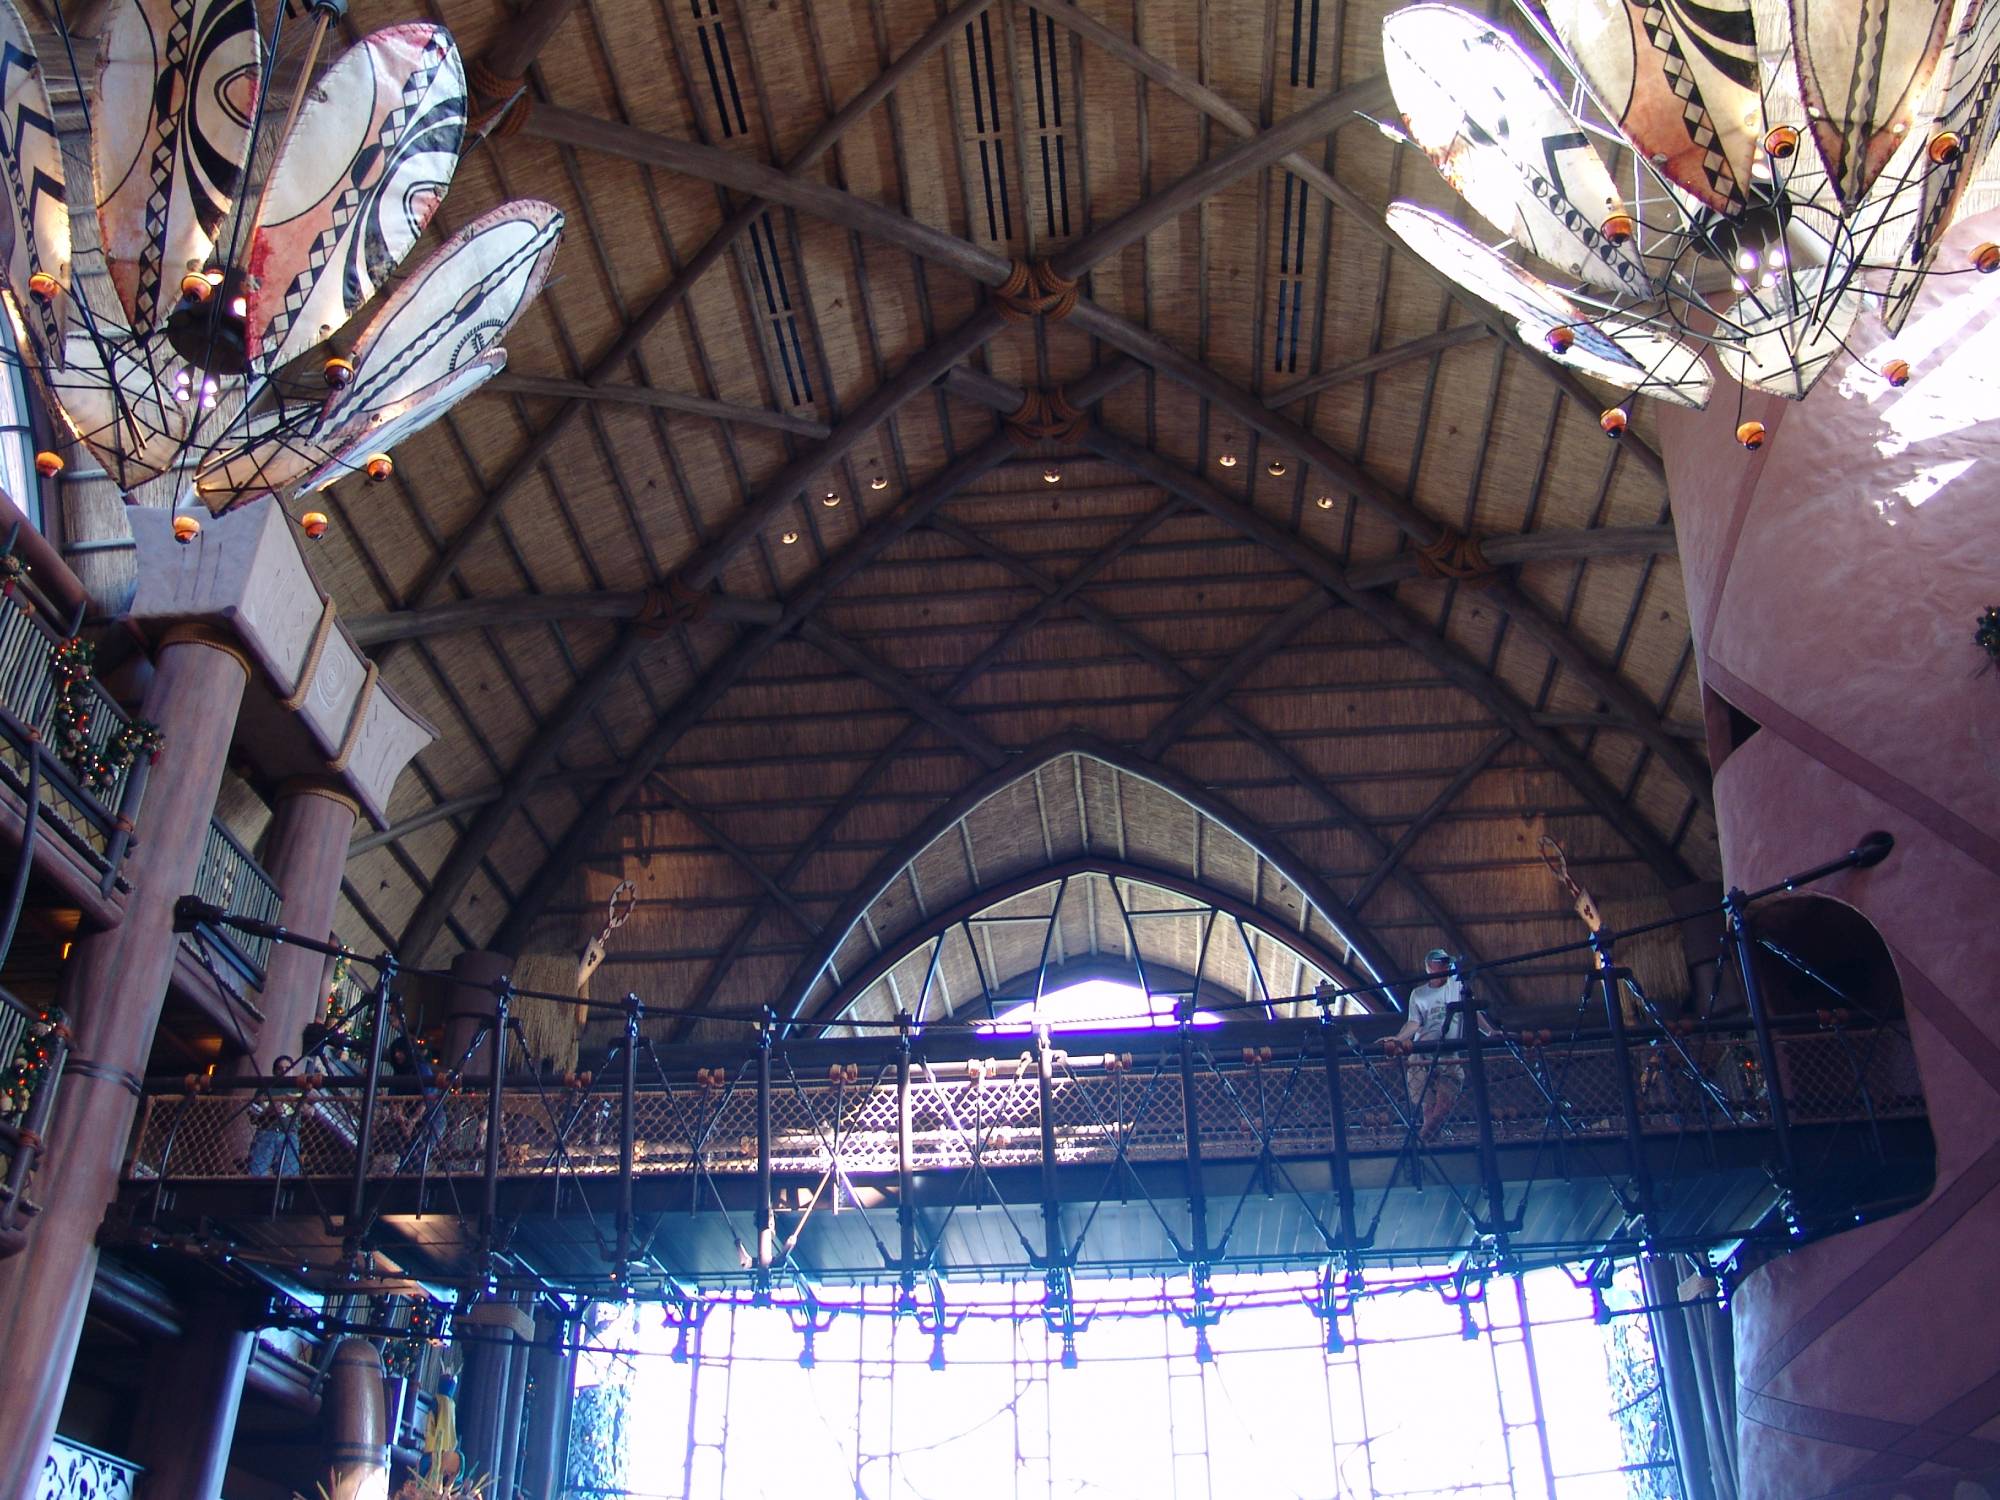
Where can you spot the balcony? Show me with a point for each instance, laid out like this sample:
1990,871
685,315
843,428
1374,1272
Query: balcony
84,830
41,1049
229,877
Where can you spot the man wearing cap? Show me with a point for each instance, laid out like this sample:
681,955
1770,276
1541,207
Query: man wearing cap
1434,1083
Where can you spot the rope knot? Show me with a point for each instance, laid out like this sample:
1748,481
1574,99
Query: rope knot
1457,557
1035,289
672,603
1043,416
503,104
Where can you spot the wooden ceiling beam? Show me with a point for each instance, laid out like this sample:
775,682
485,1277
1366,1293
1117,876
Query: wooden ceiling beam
949,722
706,826
1374,364
1208,102
1230,675
1450,662
1450,793
498,612
508,384
520,41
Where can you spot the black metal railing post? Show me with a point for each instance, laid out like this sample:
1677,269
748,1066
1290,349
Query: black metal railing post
489,1213
1733,906
1608,976
766,1217
906,1206
1471,1014
1340,1164
1197,1191
628,1101
371,1093
1045,1093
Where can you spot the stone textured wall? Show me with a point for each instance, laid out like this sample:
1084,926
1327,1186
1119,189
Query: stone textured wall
1833,583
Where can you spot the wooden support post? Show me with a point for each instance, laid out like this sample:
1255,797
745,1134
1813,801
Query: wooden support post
311,825
187,1411
112,989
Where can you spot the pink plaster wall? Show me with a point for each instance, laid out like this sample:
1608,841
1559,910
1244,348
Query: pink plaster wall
1833,581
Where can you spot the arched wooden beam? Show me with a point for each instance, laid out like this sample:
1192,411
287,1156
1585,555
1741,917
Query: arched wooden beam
865,217
798,988
938,923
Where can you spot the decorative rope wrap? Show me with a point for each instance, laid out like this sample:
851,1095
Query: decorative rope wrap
1043,416
296,699
354,721
1033,289
503,104
1457,557
672,603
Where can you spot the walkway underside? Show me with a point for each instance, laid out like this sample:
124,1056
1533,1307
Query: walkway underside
987,1154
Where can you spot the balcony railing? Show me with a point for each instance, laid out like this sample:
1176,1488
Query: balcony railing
87,820
75,1471
24,1112
231,879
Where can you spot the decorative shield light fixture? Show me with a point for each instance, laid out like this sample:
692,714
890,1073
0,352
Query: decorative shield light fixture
191,353
1792,163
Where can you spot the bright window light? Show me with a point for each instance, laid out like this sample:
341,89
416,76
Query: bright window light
1095,1005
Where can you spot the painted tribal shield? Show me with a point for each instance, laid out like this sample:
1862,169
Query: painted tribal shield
1620,353
1488,118
35,219
1680,79
385,426
170,130
1861,68
1971,112
458,304
360,176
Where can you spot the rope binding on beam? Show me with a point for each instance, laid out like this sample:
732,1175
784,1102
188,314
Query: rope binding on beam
1043,416
1456,557
1034,289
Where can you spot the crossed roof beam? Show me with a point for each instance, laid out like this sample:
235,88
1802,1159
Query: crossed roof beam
767,186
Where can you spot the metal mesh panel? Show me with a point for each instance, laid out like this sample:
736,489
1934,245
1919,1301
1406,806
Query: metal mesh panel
990,1114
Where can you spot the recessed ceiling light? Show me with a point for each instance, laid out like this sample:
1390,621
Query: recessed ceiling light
1275,468
830,499
789,537
1325,502
878,483
1228,460
1052,475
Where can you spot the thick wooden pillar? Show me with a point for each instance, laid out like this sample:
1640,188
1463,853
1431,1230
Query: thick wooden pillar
489,1396
473,1006
112,989
311,824
187,1415
510,1427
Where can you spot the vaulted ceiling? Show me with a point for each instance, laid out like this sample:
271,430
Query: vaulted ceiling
818,509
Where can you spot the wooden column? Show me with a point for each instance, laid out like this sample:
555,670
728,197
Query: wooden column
311,824
111,989
483,1399
510,1426
472,1006
357,1423
187,1415
552,1368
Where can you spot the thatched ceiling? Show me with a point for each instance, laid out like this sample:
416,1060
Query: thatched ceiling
816,691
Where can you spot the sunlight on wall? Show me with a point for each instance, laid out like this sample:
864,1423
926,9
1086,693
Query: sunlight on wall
1094,1005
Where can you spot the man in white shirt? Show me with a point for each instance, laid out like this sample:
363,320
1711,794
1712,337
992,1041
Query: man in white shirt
1434,1083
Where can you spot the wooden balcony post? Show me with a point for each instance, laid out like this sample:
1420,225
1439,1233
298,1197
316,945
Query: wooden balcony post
312,822
112,989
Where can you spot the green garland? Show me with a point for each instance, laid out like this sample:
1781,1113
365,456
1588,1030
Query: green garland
12,571
97,770
28,1069
1986,632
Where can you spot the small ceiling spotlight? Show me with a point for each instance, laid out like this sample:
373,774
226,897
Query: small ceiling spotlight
830,499
1325,502
1275,468
878,483
789,537
1052,475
